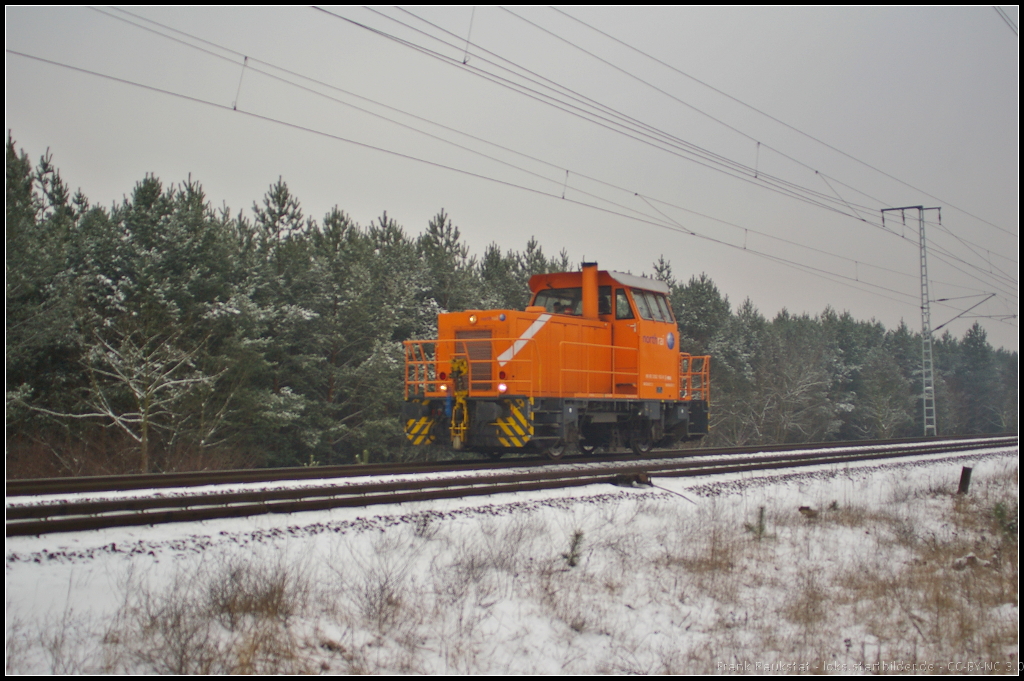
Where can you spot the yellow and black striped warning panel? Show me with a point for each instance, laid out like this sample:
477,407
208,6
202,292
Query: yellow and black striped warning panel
420,431
419,426
516,429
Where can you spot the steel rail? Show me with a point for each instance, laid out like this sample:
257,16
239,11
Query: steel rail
88,515
241,496
135,481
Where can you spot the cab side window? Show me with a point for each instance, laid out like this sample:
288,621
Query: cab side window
561,300
622,308
604,300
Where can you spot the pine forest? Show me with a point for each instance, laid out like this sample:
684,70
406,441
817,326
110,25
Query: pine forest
162,334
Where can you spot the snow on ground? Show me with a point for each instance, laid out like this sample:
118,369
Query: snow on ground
884,569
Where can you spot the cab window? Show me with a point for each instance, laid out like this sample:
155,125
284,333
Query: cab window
652,306
561,300
570,300
604,300
666,309
622,308
641,305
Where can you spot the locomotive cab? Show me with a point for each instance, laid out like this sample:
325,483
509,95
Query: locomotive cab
592,362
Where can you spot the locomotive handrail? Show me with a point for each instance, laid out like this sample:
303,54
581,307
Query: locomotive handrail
613,372
422,360
694,384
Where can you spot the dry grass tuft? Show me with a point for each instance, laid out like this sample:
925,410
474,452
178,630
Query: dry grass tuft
807,608
242,592
714,554
226,621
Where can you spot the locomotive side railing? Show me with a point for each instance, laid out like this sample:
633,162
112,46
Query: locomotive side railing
427,360
695,377
598,374
613,376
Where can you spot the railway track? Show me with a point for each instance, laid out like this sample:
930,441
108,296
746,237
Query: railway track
112,483
460,479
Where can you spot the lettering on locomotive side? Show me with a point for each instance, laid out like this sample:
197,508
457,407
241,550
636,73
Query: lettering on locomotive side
654,340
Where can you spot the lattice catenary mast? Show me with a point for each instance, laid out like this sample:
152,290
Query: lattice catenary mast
927,370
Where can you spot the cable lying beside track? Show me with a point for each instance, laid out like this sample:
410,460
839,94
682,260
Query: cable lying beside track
89,515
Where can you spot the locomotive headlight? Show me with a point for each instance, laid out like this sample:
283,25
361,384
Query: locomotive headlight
472,319
502,388
444,388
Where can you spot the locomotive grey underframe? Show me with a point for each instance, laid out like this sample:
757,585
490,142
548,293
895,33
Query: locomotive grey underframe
612,422
573,421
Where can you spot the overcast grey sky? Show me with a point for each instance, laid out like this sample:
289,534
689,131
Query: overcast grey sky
369,110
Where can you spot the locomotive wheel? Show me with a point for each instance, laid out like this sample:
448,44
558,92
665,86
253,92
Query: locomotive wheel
555,451
640,440
587,449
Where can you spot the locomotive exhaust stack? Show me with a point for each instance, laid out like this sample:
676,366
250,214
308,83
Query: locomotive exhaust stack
592,362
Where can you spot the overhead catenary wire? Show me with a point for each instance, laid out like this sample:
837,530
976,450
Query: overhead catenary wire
750,172
700,111
1006,19
962,313
776,258
596,197
818,272
639,132
928,222
933,246
790,241
563,183
983,276
791,127
382,105
1006,276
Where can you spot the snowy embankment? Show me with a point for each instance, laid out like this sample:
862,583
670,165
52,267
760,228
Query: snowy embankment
868,568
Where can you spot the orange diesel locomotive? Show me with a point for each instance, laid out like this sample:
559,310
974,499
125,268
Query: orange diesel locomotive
592,362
